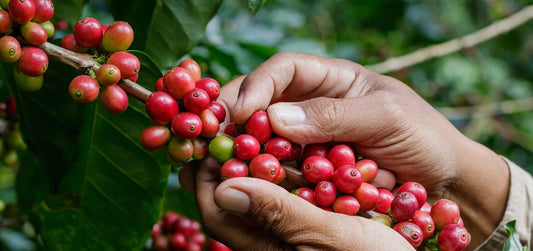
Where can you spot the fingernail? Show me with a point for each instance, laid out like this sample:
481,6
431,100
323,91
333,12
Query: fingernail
234,200
288,114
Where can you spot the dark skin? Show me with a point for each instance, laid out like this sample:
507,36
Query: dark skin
313,99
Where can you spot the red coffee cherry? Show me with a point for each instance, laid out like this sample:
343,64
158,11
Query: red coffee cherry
193,67
368,196
33,61
5,22
83,89
453,237
180,150
178,81
280,177
27,83
155,137
246,147
296,152
34,33
186,125
341,155
128,63
411,232
117,37
201,146
21,11
347,179
88,32
69,42
385,200
196,100
346,204
325,193
425,222
368,168
316,149
157,229
445,212
210,125
159,87
218,110
316,169
233,168
258,125
404,206
214,245
305,193
44,10
161,107
134,78
264,166
108,74
10,50
114,99
169,220
279,147
211,86
416,189
178,241
426,208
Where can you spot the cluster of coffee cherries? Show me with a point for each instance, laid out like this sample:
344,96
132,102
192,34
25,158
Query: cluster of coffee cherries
108,43
24,25
179,233
187,114
11,139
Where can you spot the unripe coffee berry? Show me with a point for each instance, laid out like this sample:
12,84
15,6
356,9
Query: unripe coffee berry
258,125
108,74
264,166
211,86
178,82
34,33
180,150
161,107
88,32
10,50
114,99
155,137
44,10
316,169
49,28
5,22
196,100
233,168
186,125
83,89
246,147
221,148
117,37
27,83
193,67
127,63
21,11
33,61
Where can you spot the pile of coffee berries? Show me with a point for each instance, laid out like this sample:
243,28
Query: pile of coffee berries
24,25
186,113
176,232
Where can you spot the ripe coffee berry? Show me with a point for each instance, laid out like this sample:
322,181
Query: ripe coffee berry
404,206
114,99
5,22
341,155
368,196
416,189
411,232
347,179
316,149
159,87
117,37
305,193
210,125
155,137
34,33
453,237
193,67
316,169
161,107
445,212
265,166
88,32
200,148
83,89
127,63
258,125
178,81
246,147
233,168
425,222
108,74
186,125
196,100
21,11
368,168
44,10
211,86
10,50
33,61
296,152
279,147
69,42
325,193
346,204
217,246
385,200
218,110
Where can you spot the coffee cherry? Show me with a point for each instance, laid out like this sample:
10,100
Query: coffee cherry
411,232
426,208
185,226
217,246
246,147
49,28
160,243
385,200
305,193
88,32
425,222
169,220
200,148
368,168
10,50
157,229
279,147
21,11
127,63
341,155
210,125
211,86
117,37
33,61
180,150
258,125
221,148
347,179
178,81
155,137
61,25
316,169
416,189
161,107
178,241
346,204
316,149
368,196
196,100
218,110
404,206
325,193
5,22
280,177
27,83
114,99
232,129
186,125
296,152
159,87
444,212
264,166
453,237
193,67
83,89
233,168
69,42
44,10
108,74
197,238
134,77
34,33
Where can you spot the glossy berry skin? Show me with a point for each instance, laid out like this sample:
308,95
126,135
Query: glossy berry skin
280,177
426,208
44,10
404,206
33,61
368,168
347,179
169,220
27,83
453,237
305,193
385,200
232,129
117,37
155,137
316,169
346,204
416,189
341,155
114,99
325,193
180,150
186,125
161,107
196,100
221,148
211,86
279,147
88,32
69,42
10,50
218,110
5,22
411,232
34,33
193,67
233,168
128,64
368,196
49,28
21,11
83,89
258,125
200,148
445,212
264,166
214,245
159,87
134,77
108,74
210,125
178,81
425,222
316,149
246,147
296,152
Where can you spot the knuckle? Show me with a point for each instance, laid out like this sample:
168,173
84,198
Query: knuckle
328,114
270,213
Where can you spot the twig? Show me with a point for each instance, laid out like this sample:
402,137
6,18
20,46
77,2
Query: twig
467,41
487,110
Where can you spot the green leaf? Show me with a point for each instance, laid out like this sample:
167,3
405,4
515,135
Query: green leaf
165,29
513,241
69,10
255,5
